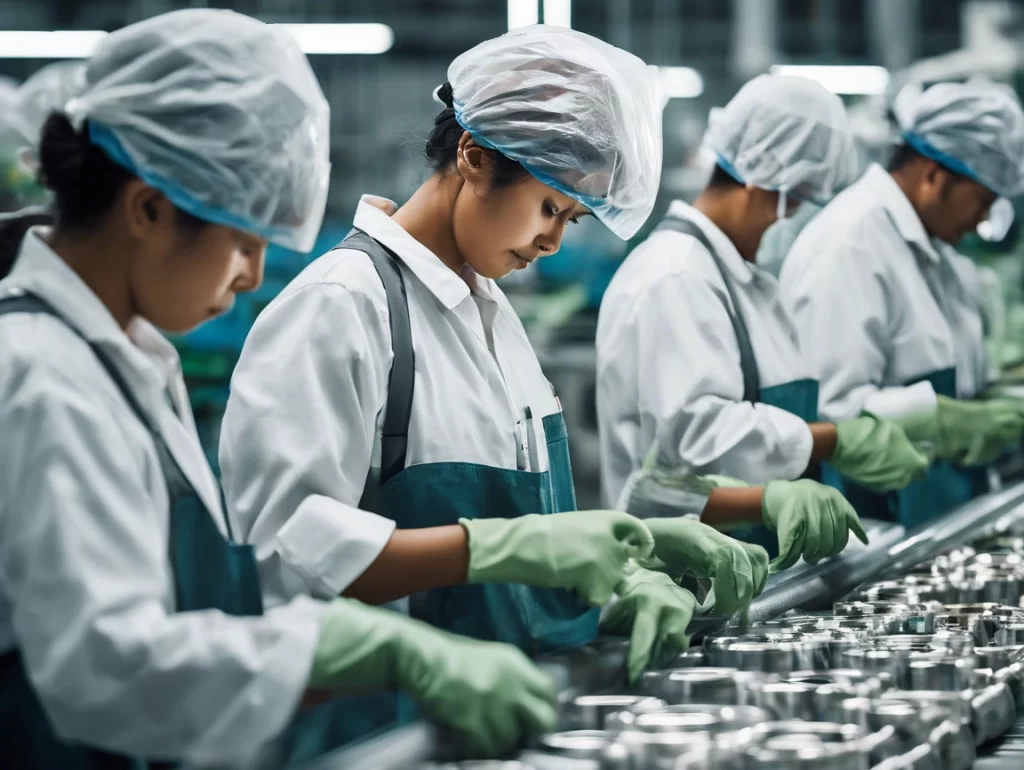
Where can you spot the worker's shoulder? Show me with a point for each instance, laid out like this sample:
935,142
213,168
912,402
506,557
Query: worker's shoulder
39,349
340,271
853,225
665,258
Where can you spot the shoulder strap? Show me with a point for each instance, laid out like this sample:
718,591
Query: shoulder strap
177,481
748,362
394,442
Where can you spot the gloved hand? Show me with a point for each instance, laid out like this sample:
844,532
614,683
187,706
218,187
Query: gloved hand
737,569
968,432
877,453
655,612
810,519
490,693
582,551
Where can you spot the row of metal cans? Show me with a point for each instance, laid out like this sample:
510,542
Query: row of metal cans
914,672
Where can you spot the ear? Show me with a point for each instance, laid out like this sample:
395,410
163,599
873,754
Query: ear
144,209
472,161
932,171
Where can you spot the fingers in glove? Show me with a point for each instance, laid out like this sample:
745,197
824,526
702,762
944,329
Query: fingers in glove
853,522
726,598
759,564
641,643
814,541
537,715
791,545
840,534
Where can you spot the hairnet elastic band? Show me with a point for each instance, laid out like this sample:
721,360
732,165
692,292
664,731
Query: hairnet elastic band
922,147
592,202
105,139
729,169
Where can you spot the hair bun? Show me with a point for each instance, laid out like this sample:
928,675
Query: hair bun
446,95
62,152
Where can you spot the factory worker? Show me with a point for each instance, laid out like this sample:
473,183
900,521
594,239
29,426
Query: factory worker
697,359
889,314
200,136
423,453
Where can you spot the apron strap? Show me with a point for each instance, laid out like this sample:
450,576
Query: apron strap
176,480
394,440
748,363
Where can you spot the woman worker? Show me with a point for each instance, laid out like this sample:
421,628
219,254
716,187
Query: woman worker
426,456
131,626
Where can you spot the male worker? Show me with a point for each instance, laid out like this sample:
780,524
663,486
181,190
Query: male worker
888,314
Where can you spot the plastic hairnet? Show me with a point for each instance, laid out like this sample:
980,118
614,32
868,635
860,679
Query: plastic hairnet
788,133
975,129
48,90
580,115
219,112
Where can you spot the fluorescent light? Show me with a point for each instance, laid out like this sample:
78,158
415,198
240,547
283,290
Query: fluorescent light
558,13
42,44
312,39
853,80
342,38
680,83
523,13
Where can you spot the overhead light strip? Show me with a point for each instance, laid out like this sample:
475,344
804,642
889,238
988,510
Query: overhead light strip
313,39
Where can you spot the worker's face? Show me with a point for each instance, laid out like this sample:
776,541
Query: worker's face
760,210
501,229
186,273
950,205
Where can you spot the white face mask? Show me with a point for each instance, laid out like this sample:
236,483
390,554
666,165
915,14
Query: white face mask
1000,217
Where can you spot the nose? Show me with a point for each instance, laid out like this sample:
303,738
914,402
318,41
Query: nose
251,276
549,242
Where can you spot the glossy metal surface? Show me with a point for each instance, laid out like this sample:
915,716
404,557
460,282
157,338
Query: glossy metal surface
689,718
696,685
768,657
588,712
992,712
576,744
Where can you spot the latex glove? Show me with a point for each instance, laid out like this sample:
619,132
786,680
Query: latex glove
582,551
738,570
655,612
490,693
810,519
968,432
877,453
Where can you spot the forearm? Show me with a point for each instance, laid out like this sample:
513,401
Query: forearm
824,437
730,507
414,560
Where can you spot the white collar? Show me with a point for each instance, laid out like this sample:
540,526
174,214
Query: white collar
40,271
900,210
373,217
734,262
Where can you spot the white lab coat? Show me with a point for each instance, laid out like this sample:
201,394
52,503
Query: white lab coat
668,364
86,589
877,304
302,427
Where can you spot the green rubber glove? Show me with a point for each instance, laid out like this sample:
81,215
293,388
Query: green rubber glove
738,570
490,693
582,551
877,453
810,520
655,612
975,432
968,432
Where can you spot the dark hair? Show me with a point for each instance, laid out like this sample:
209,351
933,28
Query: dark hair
85,185
721,179
902,156
443,145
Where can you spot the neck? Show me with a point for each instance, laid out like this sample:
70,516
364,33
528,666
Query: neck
906,182
723,212
94,257
428,217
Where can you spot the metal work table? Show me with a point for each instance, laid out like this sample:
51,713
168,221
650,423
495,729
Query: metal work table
892,550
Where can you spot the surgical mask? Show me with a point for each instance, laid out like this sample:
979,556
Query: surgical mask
996,226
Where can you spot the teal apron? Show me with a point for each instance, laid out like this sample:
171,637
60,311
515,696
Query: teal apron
799,397
942,489
210,572
438,494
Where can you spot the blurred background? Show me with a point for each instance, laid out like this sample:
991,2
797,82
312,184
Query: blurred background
379,62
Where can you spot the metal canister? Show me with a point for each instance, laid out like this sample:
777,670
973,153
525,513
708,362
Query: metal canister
690,718
576,744
588,712
770,657
992,712
798,744
697,685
